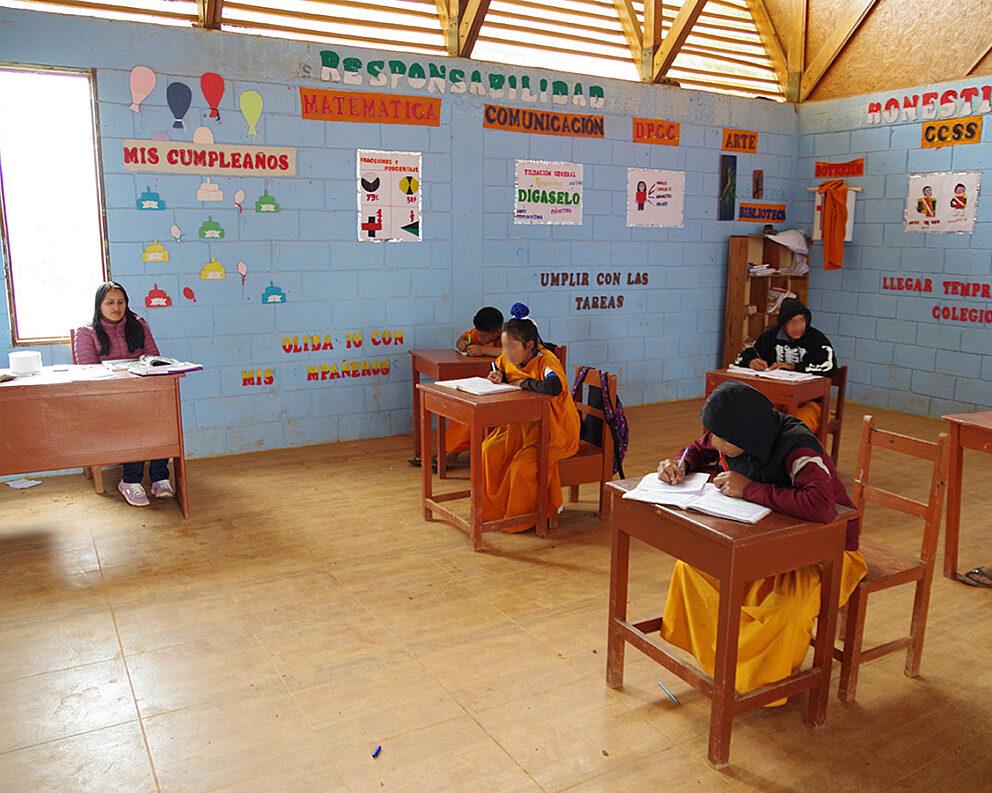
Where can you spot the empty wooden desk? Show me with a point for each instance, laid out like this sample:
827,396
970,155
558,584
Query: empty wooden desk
441,365
53,425
735,553
786,395
479,413
968,431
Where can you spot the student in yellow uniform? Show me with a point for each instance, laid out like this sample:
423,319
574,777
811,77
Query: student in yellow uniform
509,452
772,459
485,340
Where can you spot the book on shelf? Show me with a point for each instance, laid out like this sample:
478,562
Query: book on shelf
477,385
776,295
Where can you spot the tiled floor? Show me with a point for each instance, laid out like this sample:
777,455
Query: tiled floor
306,614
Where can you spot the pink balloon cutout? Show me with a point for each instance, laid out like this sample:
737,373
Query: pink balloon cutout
243,269
142,83
187,292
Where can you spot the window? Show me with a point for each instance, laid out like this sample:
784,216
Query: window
50,203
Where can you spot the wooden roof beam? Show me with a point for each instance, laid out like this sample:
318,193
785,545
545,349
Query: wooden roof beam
771,41
679,32
796,49
833,46
654,33
631,27
208,13
460,22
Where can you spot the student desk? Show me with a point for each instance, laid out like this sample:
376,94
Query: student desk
785,395
48,426
968,431
734,553
479,412
441,365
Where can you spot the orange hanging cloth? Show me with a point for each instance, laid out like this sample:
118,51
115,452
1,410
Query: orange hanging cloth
834,222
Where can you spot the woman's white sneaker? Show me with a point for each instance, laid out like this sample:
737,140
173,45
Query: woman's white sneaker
134,494
162,489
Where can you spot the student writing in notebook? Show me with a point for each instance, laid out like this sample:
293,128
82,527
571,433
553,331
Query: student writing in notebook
483,340
509,452
771,459
796,345
116,332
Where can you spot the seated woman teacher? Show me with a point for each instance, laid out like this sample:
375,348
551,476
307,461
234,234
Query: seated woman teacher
771,459
118,333
509,452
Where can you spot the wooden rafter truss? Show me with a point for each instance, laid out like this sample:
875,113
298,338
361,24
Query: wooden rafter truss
721,45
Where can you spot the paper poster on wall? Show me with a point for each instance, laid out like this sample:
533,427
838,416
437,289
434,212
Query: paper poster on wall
938,202
725,202
655,198
818,217
548,192
389,196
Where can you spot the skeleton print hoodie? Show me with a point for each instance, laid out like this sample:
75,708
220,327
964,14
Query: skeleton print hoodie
811,352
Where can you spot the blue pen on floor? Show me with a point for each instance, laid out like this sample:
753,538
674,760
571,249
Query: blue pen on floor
667,692
378,749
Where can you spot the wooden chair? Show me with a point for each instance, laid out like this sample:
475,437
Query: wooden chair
561,353
591,463
838,380
888,568
94,472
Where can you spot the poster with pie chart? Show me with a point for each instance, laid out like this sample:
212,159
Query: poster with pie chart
389,196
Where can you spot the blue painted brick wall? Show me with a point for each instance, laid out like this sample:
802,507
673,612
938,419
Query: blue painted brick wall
660,342
899,355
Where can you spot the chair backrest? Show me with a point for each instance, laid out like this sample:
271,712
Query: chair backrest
561,351
593,380
838,380
72,344
929,512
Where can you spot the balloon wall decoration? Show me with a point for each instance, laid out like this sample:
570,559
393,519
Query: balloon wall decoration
212,86
142,83
251,109
178,96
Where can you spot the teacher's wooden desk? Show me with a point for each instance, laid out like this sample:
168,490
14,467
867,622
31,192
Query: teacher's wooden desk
441,365
479,412
734,553
49,426
968,431
786,395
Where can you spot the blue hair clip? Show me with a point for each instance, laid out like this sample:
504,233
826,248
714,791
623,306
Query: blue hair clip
519,311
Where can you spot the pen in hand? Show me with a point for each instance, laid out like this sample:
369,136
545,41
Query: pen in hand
682,458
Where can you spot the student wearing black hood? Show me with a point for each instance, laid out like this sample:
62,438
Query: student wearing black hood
772,459
793,344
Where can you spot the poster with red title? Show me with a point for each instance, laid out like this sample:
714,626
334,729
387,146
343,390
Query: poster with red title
389,196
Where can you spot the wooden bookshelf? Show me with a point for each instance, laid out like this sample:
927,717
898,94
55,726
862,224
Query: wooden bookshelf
740,326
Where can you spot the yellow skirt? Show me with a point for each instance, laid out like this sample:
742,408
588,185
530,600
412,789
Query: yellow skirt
777,618
509,474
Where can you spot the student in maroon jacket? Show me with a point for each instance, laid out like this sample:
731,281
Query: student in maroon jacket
771,459
118,333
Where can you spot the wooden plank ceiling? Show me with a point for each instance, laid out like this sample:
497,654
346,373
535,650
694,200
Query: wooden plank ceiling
728,46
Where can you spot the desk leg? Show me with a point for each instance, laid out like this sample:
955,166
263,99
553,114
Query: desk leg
543,486
619,569
824,418
725,671
823,648
476,468
416,407
425,457
179,470
953,529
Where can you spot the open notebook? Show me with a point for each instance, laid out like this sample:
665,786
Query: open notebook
159,364
695,492
477,385
773,374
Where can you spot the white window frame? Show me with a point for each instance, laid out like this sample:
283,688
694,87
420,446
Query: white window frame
101,219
